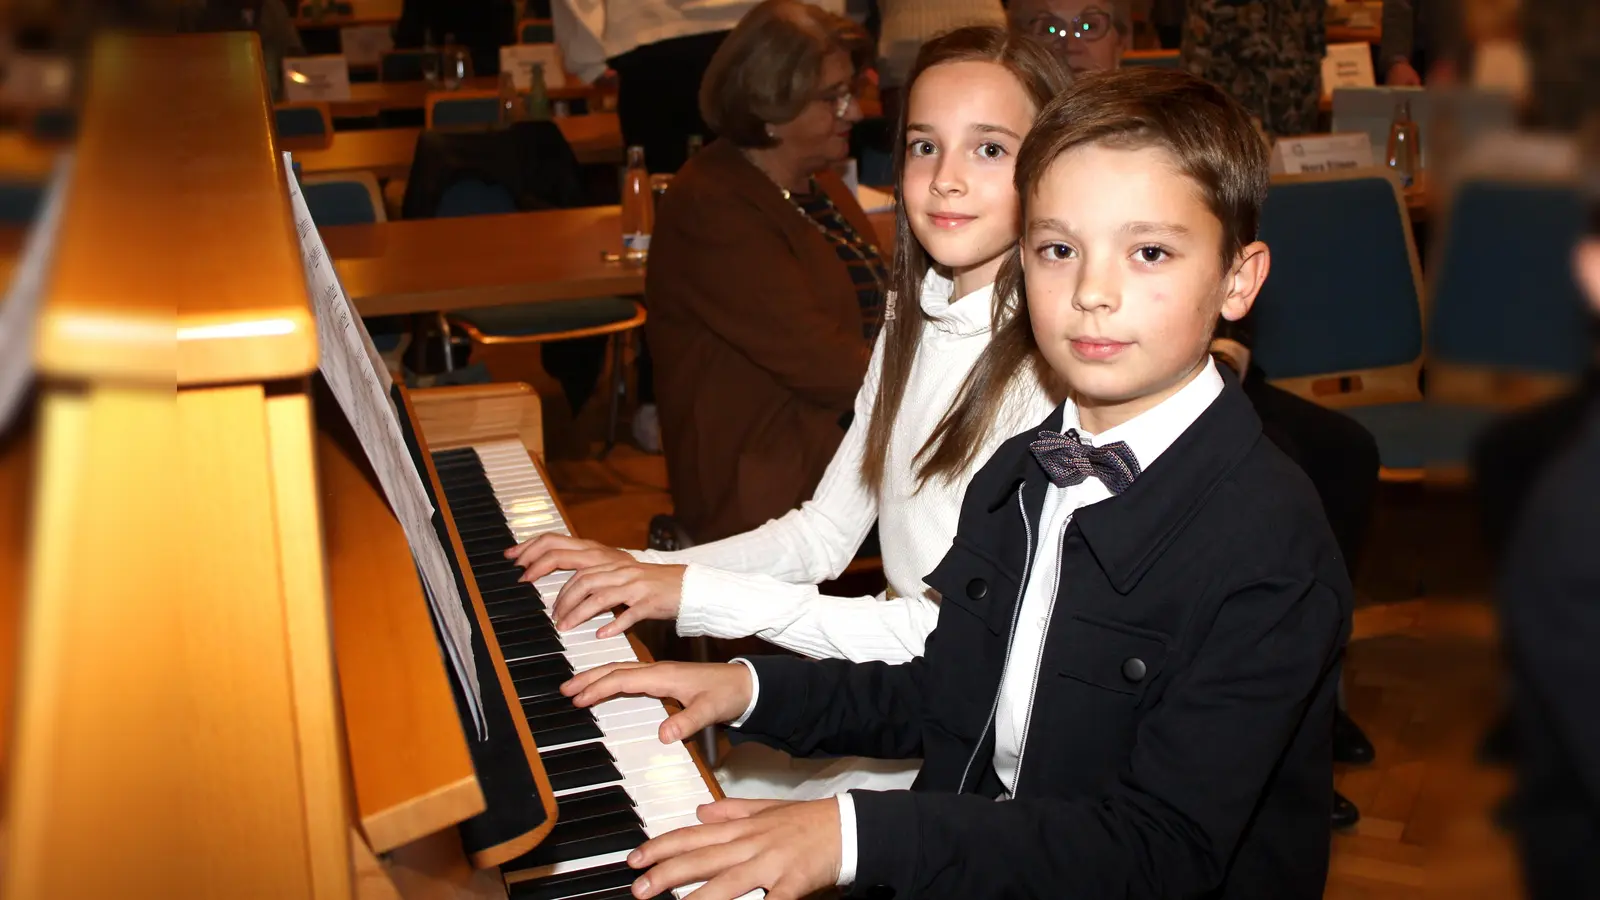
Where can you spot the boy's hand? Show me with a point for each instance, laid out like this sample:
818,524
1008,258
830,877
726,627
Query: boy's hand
791,849
648,591
708,692
550,551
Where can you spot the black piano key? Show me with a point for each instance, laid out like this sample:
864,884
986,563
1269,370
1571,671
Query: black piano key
583,884
600,801
495,565
474,505
589,837
540,667
526,628
522,590
479,496
543,686
484,531
534,616
472,519
557,729
492,546
493,580
541,706
602,771
532,648
455,453
513,609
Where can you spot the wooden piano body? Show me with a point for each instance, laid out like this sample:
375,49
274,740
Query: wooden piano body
227,682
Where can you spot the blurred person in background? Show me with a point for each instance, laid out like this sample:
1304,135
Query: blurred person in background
765,285
1550,603
1420,36
1335,451
905,25
482,26
1266,53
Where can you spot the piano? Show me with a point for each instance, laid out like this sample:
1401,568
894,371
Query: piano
240,690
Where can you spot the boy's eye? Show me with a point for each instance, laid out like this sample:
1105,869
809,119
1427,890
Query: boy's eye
1151,254
921,148
991,150
1055,252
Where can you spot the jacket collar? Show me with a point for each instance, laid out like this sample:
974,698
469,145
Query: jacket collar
1128,532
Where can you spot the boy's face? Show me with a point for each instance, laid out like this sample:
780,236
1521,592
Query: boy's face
1124,281
1081,33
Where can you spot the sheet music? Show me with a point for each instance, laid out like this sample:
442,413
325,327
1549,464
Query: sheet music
350,363
21,307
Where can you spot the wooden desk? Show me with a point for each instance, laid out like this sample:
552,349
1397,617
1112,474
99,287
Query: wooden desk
330,22
422,265
387,152
368,98
1344,34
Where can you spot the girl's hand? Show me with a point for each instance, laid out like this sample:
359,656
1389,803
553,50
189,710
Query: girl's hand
708,692
648,591
790,848
550,551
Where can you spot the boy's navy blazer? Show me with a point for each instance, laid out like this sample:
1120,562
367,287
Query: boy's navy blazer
1180,740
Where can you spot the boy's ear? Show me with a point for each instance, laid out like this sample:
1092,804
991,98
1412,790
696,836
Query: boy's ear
1250,269
1587,262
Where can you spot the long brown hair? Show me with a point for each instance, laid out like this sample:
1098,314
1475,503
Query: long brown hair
1042,76
1214,144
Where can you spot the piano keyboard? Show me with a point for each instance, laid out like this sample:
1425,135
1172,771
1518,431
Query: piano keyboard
615,783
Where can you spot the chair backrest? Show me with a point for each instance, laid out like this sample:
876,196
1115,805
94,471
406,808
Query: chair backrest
403,65
1504,298
463,109
298,120
474,197
1164,59
535,31
350,198
1339,319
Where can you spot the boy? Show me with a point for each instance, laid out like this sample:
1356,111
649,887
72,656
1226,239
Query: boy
1143,608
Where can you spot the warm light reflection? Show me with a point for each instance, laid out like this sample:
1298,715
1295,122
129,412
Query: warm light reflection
259,328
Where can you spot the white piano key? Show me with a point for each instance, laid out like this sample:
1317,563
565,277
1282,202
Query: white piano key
689,786
679,772
658,810
571,865
627,734
619,705
635,717
661,826
582,662
645,757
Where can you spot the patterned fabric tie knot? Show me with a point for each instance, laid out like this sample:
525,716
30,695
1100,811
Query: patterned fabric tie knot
1068,461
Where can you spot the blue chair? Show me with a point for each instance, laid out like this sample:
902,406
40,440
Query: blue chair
302,120
19,201
348,199
463,109
535,31
472,197
403,65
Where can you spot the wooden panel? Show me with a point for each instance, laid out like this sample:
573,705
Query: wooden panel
460,415
509,850
16,478
409,762
168,202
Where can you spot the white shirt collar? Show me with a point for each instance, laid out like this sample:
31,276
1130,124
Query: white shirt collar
1151,432
971,315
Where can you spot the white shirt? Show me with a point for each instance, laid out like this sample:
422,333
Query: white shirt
589,32
763,582
1148,435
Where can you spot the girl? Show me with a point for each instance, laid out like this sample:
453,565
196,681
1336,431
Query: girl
909,452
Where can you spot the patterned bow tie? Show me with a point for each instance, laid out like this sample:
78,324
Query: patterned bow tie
1068,461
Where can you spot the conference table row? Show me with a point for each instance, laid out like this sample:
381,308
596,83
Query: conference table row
596,139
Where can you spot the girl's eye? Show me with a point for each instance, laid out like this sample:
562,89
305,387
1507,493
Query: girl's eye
1151,254
921,148
991,150
1056,252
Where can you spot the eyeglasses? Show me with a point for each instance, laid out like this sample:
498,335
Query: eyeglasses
840,99
1090,25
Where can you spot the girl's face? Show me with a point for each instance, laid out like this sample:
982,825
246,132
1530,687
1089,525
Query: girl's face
965,123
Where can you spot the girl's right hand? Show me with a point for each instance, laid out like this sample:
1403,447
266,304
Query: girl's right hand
708,692
550,551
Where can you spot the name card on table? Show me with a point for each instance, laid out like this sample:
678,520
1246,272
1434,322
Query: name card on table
310,78
364,45
519,60
1347,66
1321,153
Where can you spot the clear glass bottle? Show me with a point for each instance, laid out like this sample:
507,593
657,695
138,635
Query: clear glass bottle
536,103
430,60
457,63
637,209
1404,154
511,109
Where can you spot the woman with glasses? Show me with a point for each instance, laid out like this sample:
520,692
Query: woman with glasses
766,284
1087,35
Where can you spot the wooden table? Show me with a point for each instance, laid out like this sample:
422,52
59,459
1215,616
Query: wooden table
386,152
368,98
424,265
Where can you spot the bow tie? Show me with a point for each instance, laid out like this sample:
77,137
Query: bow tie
1068,461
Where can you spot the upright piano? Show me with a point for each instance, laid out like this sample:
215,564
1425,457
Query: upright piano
228,680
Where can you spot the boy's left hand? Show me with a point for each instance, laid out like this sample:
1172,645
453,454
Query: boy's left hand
790,848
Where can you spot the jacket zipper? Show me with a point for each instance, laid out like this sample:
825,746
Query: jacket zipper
1038,664
1027,563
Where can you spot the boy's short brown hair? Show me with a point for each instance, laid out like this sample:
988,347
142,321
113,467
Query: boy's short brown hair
767,68
1209,135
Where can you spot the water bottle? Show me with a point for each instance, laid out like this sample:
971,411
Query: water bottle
536,105
1404,155
636,208
457,64
511,110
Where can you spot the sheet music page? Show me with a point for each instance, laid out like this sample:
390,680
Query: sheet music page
350,363
21,306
